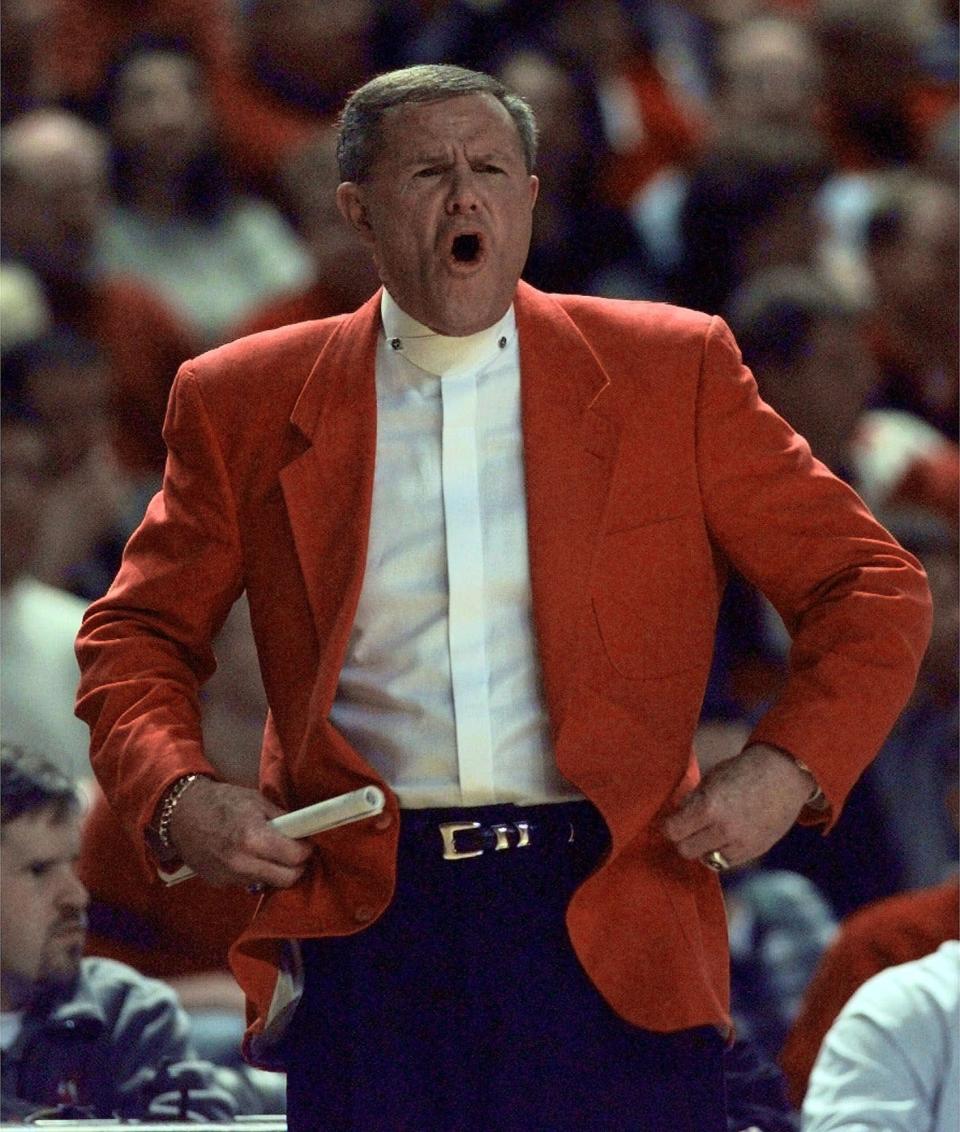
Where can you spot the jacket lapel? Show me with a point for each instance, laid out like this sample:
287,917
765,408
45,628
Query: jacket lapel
570,444
328,487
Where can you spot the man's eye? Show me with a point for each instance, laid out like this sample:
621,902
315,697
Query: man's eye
430,171
490,169
39,868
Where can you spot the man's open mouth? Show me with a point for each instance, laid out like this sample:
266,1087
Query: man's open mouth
466,247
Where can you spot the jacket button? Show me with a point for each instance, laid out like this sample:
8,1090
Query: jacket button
363,913
383,821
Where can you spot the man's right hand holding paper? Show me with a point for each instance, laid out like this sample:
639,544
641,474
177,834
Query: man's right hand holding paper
222,831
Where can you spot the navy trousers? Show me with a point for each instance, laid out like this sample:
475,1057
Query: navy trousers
464,1008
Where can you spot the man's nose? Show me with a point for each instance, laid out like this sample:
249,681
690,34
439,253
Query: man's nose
463,196
73,892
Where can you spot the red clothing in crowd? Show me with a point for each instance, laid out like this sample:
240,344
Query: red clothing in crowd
83,37
668,134
883,934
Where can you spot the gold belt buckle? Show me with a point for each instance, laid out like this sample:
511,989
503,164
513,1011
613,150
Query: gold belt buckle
450,851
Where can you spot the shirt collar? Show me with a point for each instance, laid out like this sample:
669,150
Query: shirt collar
439,353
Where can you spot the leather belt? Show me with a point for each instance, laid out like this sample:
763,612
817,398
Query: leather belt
463,839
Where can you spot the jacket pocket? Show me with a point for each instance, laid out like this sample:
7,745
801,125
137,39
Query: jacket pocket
655,597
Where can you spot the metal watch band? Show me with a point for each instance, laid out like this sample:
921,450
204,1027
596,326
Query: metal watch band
170,800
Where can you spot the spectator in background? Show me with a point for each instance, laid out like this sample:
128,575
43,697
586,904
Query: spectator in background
296,62
769,71
90,507
914,775
888,932
892,1058
803,340
914,261
343,274
213,253
646,125
89,1034
580,243
766,82
82,38
23,310
779,926
38,623
941,157
53,169
879,106
750,206
27,81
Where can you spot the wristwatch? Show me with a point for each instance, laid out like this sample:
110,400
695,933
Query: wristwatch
157,834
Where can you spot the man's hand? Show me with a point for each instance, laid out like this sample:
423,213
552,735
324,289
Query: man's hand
222,832
742,806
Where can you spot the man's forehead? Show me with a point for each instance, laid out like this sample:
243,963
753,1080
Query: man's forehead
465,115
41,833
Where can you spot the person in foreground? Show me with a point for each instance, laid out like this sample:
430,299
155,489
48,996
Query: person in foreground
891,1059
82,1037
483,532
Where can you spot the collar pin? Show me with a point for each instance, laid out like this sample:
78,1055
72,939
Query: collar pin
502,342
396,344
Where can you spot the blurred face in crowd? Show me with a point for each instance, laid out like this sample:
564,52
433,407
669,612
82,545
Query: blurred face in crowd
72,399
823,392
770,74
42,906
55,194
552,97
600,32
917,275
23,472
160,114
929,260
323,47
447,211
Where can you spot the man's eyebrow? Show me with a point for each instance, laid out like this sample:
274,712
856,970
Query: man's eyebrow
427,159
40,861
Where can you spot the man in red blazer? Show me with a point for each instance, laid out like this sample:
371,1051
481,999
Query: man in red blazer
483,534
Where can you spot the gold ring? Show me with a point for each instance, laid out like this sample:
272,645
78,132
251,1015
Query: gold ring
716,861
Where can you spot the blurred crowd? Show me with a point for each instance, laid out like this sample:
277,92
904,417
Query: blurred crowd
167,177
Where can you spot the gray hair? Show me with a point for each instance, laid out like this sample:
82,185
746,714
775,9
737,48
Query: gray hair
361,138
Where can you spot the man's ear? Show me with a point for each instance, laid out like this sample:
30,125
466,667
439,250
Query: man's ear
353,210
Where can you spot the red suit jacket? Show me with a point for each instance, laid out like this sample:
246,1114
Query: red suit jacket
650,462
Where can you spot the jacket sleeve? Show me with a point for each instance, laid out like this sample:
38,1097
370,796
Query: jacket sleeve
855,603
144,649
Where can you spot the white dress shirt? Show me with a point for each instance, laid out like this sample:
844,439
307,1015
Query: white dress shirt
891,1060
440,689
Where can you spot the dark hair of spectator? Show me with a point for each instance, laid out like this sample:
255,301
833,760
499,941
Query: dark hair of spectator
360,135
206,178
58,346
734,192
893,210
29,783
773,314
